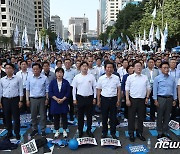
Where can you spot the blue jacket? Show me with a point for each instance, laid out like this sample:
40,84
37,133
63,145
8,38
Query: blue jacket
56,108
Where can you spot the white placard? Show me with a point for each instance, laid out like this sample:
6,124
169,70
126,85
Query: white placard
149,124
29,148
174,124
110,141
86,140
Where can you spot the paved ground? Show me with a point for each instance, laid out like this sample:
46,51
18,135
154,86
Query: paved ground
104,150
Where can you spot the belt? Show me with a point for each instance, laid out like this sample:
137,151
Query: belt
37,97
114,97
10,98
167,96
85,96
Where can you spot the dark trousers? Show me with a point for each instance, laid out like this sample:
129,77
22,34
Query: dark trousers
11,109
152,107
108,109
71,106
85,106
50,116
137,106
24,108
163,114
64,120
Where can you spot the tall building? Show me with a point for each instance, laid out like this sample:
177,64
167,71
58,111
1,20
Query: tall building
98,23
65,33
42,13
77,26
102,10
56,25
20,13
112,9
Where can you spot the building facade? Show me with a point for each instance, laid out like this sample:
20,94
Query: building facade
42,14
78,27
57,25
20,13
102,10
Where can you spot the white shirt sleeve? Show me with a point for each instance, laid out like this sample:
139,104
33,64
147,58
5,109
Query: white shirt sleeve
74,85
179,82
99,84
127,86
94,87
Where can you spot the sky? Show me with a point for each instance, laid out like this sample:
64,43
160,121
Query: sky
75,8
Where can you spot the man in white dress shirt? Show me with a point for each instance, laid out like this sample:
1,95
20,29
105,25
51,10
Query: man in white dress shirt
137,95
108,97
84,96
122,70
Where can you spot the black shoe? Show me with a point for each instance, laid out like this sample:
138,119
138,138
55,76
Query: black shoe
90,134
114,136
9,135
131,138
140,136
167,136
43,134
159,136
80,134
34,133
104,136
18,137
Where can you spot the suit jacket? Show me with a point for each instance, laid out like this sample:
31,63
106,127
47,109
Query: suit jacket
2,74
146,72
56,108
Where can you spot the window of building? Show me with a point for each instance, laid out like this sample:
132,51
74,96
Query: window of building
4,31
3,1
4,24
40,25
40,16
39,7
35,25
39,11
35,16
3,16
39,3
3,9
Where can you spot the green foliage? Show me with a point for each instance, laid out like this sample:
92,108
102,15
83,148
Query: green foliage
133,19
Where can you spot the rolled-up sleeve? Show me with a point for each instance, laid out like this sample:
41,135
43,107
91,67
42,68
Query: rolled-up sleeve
28,84
20,87
155,88
99,84
127,86
174,91
94,87
47,85
74,85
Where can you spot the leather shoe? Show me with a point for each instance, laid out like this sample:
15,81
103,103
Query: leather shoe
90,134
104,136
114,136
9,135
140,136
80,134
131,138
164,135
159,136
18,137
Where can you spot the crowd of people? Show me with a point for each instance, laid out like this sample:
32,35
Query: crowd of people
53,84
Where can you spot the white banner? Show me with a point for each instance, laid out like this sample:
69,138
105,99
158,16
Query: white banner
110,141
174,124
86,140
29,148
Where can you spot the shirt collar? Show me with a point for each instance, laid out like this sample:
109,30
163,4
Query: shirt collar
108,77
11,77
40,76
137,74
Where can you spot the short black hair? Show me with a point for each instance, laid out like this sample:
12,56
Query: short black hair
59,70
158,59
84,62
67,59
58,61
45,62
135,62
164,63
128,67
23,61
37,64
124,60
150,59
108,62
10,64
